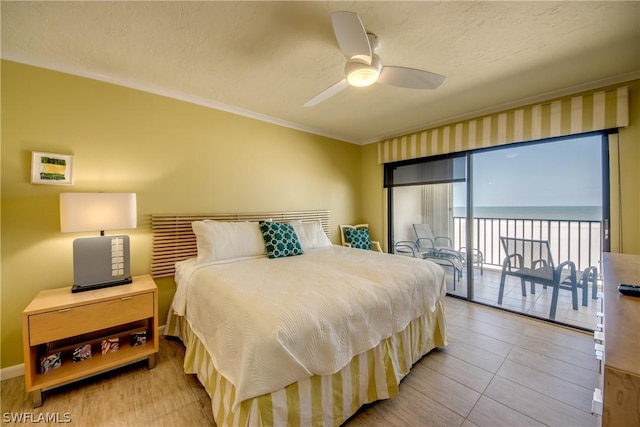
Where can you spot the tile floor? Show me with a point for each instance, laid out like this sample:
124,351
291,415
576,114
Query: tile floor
499,370
487,286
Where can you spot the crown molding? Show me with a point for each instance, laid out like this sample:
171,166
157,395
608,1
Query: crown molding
168,93
192,99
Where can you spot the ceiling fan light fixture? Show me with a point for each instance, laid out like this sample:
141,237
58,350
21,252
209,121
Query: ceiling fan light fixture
360,74
363,67
361,77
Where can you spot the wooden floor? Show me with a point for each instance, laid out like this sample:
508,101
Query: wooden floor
499,369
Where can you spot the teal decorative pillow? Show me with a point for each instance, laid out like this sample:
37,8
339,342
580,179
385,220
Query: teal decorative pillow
358,237
280,239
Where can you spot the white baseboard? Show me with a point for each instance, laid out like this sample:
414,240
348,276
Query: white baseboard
17,370
11,372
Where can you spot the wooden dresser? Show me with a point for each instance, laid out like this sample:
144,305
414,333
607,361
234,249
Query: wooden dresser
620,367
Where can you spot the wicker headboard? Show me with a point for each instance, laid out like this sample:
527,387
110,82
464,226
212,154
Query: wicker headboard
173,238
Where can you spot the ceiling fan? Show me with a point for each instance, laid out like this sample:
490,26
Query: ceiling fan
363,67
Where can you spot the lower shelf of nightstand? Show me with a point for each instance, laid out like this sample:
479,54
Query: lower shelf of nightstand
71,371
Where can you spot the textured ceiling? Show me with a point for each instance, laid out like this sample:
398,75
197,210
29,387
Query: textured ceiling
266,59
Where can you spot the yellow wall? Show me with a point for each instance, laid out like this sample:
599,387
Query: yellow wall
625,214
629,146
180,157
177,157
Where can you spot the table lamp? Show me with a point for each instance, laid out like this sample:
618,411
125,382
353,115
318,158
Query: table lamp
102,261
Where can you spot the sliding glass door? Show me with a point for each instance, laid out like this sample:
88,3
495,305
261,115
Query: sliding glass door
548,196
425,198
458,210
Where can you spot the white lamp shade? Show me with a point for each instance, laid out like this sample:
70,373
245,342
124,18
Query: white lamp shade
97,211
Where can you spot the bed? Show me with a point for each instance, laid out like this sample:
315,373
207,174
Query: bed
293,339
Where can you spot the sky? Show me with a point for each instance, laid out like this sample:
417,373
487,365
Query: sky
567,172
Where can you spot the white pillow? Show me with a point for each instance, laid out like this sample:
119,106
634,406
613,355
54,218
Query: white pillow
311,235
224,240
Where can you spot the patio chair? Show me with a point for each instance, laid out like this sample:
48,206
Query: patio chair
531,260
427,242
444,259
408,248
357,236
589,274
443,245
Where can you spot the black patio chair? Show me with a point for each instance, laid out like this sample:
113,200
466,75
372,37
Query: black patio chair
531,260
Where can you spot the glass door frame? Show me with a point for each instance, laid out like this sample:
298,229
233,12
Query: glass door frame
469,226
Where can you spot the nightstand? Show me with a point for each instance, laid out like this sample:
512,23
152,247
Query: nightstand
68,336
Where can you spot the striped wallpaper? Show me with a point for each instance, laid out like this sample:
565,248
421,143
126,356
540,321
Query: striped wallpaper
596,111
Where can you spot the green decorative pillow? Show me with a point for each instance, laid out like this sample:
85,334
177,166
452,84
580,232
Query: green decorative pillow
280,239
358,237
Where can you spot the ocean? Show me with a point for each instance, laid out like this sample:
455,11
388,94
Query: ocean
574,213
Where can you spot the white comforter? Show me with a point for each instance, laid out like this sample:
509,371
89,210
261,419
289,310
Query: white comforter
270,322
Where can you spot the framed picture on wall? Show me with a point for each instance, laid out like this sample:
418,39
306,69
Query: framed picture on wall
49,168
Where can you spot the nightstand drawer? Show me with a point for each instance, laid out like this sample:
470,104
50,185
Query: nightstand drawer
68,322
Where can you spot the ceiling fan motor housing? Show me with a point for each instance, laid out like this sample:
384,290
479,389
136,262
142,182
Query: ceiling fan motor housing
374,42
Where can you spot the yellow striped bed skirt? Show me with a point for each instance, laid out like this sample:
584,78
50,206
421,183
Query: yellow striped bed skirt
326,400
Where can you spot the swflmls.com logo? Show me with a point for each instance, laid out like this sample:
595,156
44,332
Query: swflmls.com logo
29,417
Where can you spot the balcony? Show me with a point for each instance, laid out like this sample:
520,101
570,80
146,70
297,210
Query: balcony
577,240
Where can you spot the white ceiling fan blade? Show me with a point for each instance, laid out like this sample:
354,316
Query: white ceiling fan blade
327,93
351,36
410,78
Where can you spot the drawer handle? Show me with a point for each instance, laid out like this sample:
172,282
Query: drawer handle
64,310
125,298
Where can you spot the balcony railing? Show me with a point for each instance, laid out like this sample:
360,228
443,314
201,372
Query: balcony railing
577,240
